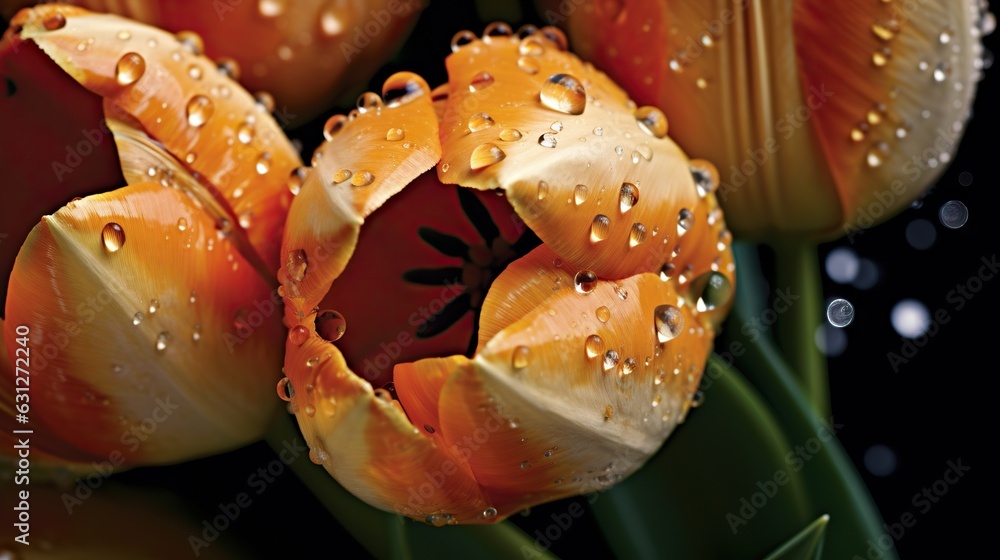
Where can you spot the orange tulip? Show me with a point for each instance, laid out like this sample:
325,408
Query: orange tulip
304,53
822,116
144,319
529,322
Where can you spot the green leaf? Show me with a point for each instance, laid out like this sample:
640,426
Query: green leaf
711,492
806,545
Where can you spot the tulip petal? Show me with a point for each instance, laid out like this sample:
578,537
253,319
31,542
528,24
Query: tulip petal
535,436
905,76
369,157
201,116
367,443
152,337
594,177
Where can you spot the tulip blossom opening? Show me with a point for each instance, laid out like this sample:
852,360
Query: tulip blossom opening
502,292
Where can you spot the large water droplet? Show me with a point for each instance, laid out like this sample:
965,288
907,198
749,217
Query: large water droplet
481,81
603,314
489,513
333,125
564,93
199,110
395,134
669,322
610,360
461,39
285,390
485,155
330,325
585,281
403,87
298,335
685,219
130,68
480,121
652,121
580,193
711,290
510,135
113,237
599,228
705,180
636,235
593,346
520,357
547,140
362,178
342,175
840,313
627,197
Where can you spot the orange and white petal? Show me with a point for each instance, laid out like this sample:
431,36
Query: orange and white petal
593,175
198,113
151,336
364,439
904,80
369,156
570,395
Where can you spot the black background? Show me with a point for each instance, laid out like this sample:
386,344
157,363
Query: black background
936,408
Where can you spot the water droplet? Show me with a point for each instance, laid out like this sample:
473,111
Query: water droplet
395,134
368,102
510,135
525,465
481,81
461,39
298,335
603,314
113,237
669,322
702,83
628,367
953,214
881,57
402,88
191,41
528,65
362,178
497,29
564,93
685,219
520,358
580,193
667,271
877,154
593,346
263,164
137,318
490,513
711,290
636,235
130,68
333,125
543,190
285,389
480,121
531,46
886,29
941,71
610,360
342,175
199,110
162,340
840,313
599,228
196,333
330,325
628,196
652,121
547,140
485,155
245,132
264,101
154,306
585,281
54,21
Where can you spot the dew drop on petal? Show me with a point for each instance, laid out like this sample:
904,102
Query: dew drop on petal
580,193
199,110
333,125
485,155
711,290
585,281
599,228
362,178
603,314
520,358
461,39
510,135
593,346
162,340
298,335
395,134
564,93
113,237
285,389
668,321
130,68
480,121
330,325
636,235
652,121
628,196
547,140
685,219
481,81
610,360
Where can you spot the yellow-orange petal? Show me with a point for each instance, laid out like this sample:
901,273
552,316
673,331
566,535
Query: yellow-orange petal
570,395
369,155
592,174
366,442
904,82
200,115
151,337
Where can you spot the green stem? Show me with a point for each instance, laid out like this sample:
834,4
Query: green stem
798,272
